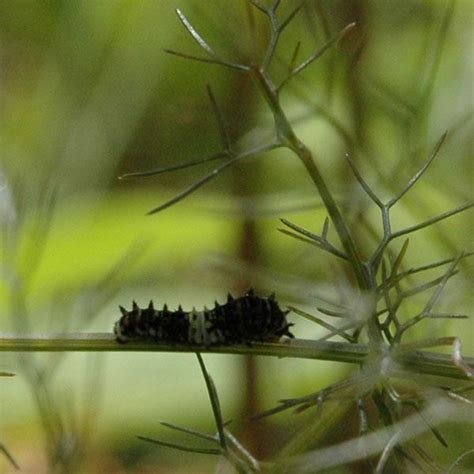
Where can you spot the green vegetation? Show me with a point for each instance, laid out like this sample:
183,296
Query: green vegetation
351,119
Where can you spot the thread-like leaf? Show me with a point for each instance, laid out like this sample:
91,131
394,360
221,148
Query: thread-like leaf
181,166
420,172
259,6
290,17
192,31
189,431
179,447
218,61
214,398
433,220
317,54
213,174
313,239
362,181
316,243
322,323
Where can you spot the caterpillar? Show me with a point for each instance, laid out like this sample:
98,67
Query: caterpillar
247,319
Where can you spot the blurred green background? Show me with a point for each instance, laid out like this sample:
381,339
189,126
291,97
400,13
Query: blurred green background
87,94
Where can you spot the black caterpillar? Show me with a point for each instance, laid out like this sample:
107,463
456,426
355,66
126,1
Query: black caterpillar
247,319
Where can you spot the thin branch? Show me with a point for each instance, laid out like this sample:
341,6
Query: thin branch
220,62
387,450
439,289
362,182
332,250
458,460
196,36
439,263
362,380
189,431
334,314
275,36
259,6
213,174
426,313
433,220
214,398
423,268
415,403
447,316
290,17
324,232
322,323
237,446
294,56
302,231
420,173
425,286
194,187
317,54
364,428
276,4
322,50
202,43
436,433
188,164
314,238
288,137
398,260
179,447
351,324
391,308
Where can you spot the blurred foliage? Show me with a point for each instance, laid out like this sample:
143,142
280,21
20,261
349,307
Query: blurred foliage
87,94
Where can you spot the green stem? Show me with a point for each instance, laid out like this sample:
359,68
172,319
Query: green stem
288,138
343,232
419,362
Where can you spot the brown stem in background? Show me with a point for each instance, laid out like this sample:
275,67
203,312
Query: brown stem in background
241,98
